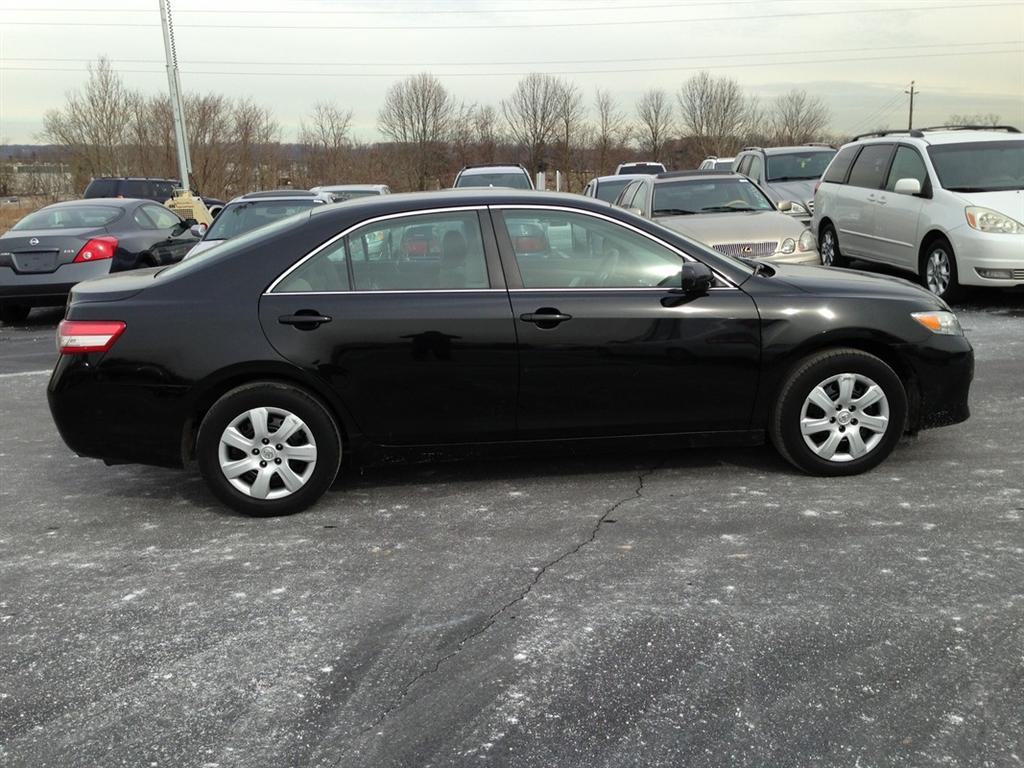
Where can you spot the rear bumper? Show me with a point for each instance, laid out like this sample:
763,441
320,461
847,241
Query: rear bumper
48,288
943,370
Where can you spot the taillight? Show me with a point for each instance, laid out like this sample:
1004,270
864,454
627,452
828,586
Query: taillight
75,337
97,248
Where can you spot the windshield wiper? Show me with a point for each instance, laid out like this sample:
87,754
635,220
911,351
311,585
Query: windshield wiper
670,212
725,209
981,189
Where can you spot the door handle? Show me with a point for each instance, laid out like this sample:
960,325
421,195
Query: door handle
305,319
545,317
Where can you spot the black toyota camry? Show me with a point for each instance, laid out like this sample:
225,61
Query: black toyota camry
491,316
51,249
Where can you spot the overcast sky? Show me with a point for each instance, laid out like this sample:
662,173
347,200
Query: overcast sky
966,56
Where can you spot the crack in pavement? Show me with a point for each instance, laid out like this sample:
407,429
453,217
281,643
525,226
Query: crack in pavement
493,618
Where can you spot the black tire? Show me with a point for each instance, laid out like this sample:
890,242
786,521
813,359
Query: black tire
939,248
829,243
785,423
322,433
13,313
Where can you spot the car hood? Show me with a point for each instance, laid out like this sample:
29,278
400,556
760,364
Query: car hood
1009,202
742,227
798,191
830,281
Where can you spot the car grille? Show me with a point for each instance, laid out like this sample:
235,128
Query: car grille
1018,274
750,250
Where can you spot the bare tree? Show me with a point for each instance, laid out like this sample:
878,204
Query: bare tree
531,113
570,126
463,134
654,113
611,130
326,143
715,113
418,114
988,119
486,133
797,118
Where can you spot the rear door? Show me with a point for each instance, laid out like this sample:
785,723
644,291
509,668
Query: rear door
856,210
606,346
410,325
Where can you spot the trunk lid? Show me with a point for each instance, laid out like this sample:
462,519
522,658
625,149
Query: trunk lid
43,250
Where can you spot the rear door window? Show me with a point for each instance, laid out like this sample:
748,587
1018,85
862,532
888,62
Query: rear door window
870,167
836,172
163,218
136,188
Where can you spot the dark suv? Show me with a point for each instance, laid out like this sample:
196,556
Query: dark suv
139,188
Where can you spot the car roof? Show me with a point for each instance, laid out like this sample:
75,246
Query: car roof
621,176
347,187
696,175
117,202
471,170
133,178
940,136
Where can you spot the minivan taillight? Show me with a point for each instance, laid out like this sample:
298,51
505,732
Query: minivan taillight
97,248
75,337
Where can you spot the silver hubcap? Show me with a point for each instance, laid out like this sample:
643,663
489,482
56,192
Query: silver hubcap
937,272
267,453
828,249
845,417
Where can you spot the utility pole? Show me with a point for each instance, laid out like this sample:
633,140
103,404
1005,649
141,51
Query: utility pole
912,91
184,160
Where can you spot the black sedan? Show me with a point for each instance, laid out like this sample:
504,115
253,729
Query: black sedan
490,316
52,249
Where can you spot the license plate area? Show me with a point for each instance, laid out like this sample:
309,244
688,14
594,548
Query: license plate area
35,261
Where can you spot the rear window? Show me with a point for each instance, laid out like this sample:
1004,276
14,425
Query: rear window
871,165
837,169
101,188
244,217
609,190
799,166
513,180
68,217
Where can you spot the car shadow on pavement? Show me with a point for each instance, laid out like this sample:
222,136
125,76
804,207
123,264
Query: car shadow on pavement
39,317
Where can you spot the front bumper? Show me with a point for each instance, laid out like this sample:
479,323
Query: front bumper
986,250
39,289
943,371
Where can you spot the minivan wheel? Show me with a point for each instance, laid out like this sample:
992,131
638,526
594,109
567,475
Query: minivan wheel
13,313
268,449
840,412
831,256
938,270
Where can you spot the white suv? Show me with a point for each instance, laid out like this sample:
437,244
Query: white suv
944,203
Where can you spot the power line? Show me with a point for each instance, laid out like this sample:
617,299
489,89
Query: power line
320,64
760,64
886,107
546,25
380,12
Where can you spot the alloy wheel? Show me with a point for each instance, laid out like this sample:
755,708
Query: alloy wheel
828,248
938,272
267,453
844,417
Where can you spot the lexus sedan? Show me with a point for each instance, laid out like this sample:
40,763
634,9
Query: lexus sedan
490,316
52,249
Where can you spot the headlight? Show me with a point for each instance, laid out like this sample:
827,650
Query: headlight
944,323
807,241
987,220
788,245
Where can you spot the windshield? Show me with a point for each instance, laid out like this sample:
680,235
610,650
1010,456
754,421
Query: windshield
609,190
244,217
983,166
799,166
728,195
70,217
513,180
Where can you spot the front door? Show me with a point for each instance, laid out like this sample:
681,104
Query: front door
606,345
409,322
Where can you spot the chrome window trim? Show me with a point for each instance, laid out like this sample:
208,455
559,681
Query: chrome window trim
412,290
729,284
358,225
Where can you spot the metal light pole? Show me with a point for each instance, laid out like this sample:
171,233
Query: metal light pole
174,83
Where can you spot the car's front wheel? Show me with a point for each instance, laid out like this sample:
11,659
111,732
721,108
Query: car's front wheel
268,449
13,313
839,412
938,270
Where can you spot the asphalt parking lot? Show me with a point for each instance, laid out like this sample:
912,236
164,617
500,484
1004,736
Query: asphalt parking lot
703,608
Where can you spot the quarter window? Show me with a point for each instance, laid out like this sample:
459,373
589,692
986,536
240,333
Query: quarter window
870,167
437,251
756,166
162,217
640,199
907,164
744,165
836,171
556,249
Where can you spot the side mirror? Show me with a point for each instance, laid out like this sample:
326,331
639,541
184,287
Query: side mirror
191,222
197,230
785,206
908,187
792,208
696,277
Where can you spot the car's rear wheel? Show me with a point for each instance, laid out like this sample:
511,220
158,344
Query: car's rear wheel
828,247
13,313
268,449
938,271
840,412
